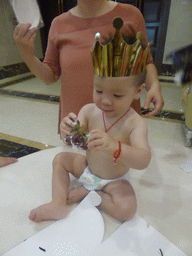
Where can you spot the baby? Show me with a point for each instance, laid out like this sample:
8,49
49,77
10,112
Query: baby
117,142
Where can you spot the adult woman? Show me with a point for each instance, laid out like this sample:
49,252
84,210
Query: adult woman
68,52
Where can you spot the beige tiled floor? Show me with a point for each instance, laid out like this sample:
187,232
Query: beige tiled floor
34,85
29,119
171,93
172,97
164,190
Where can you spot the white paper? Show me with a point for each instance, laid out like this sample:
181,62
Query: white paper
78,234
134,238
152,243
187,167
119,243
27,11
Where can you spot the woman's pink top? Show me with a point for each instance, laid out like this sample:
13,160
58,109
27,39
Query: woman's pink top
68,53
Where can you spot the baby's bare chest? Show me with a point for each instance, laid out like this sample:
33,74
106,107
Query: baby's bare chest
101,162
117,130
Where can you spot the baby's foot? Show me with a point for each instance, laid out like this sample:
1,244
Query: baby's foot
50,211
77,194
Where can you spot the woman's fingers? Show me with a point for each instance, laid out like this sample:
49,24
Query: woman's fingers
21,29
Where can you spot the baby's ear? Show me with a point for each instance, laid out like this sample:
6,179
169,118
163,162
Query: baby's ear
139,91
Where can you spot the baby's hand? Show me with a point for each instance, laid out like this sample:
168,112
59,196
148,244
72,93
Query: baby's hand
66,124
99,140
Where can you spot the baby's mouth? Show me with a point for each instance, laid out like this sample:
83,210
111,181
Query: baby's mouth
107,110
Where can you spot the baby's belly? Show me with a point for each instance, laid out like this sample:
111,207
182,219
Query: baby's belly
102,165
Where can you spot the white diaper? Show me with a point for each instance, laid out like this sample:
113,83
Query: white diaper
92,182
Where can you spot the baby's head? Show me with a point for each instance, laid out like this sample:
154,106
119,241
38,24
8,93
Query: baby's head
114,95
119,69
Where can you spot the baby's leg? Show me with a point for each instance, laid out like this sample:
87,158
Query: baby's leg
119,200
63,164
77,194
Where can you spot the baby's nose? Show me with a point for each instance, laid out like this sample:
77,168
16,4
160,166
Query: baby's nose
106,101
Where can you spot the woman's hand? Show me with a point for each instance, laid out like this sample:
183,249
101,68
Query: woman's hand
154,96
24,38
66,124
153,88
7,160
99,140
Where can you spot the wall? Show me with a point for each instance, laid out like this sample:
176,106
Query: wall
179,31
9,53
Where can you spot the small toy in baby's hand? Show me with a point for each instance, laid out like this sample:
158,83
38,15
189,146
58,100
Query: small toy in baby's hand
77,137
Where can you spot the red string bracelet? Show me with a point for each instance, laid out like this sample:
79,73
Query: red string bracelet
117,153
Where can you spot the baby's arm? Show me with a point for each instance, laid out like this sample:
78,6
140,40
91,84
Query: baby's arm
138,154
66,124
69,121
83,116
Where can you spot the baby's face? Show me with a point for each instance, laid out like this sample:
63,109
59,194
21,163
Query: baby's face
114,95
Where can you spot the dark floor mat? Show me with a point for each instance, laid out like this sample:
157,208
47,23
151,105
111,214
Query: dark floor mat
12,149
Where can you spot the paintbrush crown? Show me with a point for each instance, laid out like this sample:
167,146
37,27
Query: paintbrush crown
119,58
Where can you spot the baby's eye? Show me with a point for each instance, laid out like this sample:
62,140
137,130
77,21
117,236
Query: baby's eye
118,96
98,91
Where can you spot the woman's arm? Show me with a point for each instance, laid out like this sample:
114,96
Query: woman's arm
153,88
24,38
7,160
